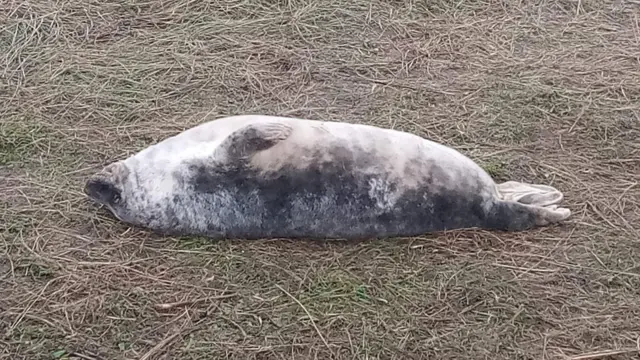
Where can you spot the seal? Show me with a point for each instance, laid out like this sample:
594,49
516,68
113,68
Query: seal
254,176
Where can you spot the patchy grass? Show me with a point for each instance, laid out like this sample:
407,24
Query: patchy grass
545,92
19,141
495,168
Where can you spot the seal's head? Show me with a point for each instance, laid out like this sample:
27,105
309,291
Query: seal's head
109,188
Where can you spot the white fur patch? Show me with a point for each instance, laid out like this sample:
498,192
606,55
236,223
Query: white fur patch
384,196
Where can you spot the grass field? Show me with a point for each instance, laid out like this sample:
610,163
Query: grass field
536,91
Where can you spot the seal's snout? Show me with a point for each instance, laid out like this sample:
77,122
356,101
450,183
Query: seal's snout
102,189
105,187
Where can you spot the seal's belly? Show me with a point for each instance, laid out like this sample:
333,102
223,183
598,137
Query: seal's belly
326,204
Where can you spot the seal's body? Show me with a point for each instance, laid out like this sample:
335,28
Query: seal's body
271,177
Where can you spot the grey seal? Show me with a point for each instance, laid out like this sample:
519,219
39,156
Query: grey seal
255,176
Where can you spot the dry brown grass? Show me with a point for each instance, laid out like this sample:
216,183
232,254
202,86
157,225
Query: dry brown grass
546,92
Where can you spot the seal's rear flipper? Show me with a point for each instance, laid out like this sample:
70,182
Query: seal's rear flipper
516,216
253,138
537,195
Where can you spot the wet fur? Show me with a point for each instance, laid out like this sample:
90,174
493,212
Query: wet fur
265,177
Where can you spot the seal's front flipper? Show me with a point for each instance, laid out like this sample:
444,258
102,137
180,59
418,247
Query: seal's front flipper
245,142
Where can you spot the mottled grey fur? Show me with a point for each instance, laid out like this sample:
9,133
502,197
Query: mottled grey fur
267,177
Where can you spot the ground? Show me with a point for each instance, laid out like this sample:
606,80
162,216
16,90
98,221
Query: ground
545,92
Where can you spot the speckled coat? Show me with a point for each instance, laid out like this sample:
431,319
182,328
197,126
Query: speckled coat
258,176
